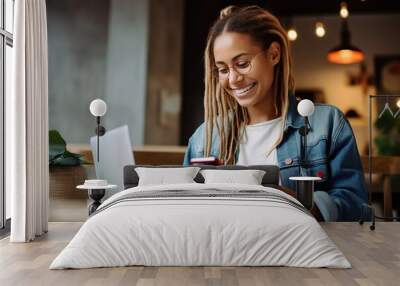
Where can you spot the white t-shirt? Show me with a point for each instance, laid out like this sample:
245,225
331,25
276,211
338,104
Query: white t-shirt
257,140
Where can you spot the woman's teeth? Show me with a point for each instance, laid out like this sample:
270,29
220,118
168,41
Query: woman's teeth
243,91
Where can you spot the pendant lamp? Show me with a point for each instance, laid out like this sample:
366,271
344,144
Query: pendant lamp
345,53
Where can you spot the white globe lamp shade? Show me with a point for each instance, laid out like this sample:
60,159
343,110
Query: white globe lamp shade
98,107
305,107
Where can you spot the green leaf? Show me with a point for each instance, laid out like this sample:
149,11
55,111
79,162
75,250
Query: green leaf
385,123
387,145
57,145
68,154
70,161
58,153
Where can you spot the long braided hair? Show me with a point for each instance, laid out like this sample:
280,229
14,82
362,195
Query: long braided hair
221,110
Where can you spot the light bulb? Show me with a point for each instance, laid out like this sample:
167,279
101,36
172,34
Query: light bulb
305,107
98,107
320,29
398,103
292,34
344,12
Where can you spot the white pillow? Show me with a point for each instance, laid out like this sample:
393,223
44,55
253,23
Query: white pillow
249,177
163,176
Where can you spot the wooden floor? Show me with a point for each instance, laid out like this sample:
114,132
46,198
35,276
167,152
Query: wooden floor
68,210
375,256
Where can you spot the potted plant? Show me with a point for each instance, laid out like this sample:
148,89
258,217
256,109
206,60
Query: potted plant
388,139
66,169
58,153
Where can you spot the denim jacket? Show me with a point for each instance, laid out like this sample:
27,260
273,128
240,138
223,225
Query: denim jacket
331,154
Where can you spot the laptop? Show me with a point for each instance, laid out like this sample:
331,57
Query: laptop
115,153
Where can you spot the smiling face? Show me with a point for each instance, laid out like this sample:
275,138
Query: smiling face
251,88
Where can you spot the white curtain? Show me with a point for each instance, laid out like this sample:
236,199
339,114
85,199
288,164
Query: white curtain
27,124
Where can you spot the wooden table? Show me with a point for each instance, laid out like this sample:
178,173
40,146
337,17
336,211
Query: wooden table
374,255
144,155
64,179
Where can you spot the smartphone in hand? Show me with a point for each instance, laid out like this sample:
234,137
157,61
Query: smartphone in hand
206,161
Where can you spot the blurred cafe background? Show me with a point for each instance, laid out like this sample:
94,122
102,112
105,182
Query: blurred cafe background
144,58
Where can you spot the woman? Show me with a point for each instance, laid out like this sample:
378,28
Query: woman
251,114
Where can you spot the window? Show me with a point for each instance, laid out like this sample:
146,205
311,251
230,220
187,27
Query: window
6,62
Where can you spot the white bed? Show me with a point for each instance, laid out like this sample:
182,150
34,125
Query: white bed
206,230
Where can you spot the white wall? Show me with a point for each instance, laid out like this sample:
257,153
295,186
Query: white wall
77,42
126,78
97,49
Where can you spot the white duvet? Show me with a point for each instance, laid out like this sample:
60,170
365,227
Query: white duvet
200,231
